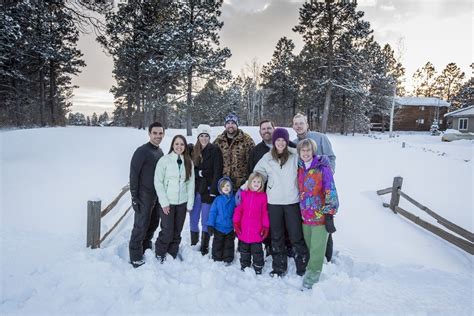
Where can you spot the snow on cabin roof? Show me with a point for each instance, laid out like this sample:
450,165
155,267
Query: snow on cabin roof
417,101
468,111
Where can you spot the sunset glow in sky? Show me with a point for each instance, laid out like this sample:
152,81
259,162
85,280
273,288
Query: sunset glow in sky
439,31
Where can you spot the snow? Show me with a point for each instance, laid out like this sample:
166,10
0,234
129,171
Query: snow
467,111
421,101
384,264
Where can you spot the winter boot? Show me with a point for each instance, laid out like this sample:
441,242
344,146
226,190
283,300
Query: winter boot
205,243
137,263
194,238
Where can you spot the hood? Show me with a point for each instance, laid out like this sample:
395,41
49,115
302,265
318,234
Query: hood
318,162
225,178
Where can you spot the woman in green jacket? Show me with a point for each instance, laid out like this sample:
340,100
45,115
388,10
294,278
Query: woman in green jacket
174,185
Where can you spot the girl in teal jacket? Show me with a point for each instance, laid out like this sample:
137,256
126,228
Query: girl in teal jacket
174,185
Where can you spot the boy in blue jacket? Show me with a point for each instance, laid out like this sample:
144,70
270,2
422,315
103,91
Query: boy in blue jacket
220,223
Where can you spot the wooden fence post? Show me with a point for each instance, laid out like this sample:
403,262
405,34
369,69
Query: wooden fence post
93,224
395,198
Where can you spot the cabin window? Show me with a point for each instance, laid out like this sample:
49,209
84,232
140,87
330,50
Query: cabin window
422,108
420,121
463,124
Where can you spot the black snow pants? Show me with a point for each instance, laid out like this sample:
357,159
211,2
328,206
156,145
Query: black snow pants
145,223
171,226
223,246
287,218
252,251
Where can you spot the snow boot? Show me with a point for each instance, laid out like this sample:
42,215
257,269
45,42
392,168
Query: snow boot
194,238
205,243
137,263
161,259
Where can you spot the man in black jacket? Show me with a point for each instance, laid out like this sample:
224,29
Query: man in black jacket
144,199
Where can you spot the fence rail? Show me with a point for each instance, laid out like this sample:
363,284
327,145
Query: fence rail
396,190
94,216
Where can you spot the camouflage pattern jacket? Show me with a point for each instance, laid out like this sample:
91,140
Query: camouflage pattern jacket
235,156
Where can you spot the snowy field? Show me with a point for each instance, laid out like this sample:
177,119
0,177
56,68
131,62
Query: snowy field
384,264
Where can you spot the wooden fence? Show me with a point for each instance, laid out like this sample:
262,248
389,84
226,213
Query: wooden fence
94,216
466,243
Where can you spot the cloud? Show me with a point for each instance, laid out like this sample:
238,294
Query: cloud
88,100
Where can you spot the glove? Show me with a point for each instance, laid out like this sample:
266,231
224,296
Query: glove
330,228
135,205
237,229
210,230
208,198
264,232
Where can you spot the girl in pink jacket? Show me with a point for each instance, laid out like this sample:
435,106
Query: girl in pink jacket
251,223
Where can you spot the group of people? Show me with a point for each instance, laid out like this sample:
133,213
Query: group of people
279,193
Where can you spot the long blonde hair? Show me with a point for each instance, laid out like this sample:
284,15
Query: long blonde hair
254,175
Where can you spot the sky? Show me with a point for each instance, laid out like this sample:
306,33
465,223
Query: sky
439,31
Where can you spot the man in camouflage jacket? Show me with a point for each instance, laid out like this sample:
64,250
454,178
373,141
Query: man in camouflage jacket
235,146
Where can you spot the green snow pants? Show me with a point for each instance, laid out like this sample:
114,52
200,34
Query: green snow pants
316,238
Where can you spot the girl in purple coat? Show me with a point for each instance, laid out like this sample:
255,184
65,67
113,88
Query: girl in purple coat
251,223
318,204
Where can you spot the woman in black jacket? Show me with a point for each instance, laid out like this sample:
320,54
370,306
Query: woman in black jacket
207,160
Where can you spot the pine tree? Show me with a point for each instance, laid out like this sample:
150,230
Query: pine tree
94,120
425,81
140,37
38,52
328,28
207,104
449,82
395,69
465,96
199,53
279,79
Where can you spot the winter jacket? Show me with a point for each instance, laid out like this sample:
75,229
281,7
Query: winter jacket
170,183
235,156
324,147
251,215
211,169
257,153
142,169
222,211
318,195
282,186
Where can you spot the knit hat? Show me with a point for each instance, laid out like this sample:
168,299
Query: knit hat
231,117
280,133
203,129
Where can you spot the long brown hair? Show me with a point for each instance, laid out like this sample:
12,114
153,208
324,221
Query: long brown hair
197,152
283,157
188,165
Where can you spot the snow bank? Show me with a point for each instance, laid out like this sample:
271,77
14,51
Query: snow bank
383,263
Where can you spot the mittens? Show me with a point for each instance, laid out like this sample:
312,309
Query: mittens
330,228
210,230
237,229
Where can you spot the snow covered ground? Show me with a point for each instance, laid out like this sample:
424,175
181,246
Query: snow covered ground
384,263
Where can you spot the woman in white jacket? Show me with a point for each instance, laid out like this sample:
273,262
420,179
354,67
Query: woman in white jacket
280,168
174,185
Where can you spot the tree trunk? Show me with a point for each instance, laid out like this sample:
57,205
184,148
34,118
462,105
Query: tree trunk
327,101
52,91
42,97
189,100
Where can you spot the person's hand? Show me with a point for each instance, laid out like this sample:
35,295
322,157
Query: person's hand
264,232
208,198
238,197
135,205
330,228
237,229
166,209
210,230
